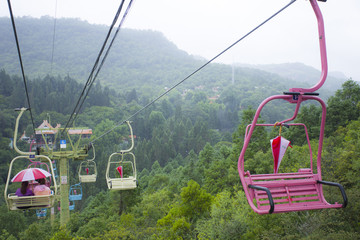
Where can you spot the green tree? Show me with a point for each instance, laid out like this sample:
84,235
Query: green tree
311,117
229,216
344,106
36,231
196,202
180,221
131,96
259,139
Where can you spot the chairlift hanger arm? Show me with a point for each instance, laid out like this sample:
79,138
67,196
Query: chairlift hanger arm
132,139
91,146
323,56
22,110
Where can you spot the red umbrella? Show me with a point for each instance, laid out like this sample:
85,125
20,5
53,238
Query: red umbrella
120,170
278,146
30,174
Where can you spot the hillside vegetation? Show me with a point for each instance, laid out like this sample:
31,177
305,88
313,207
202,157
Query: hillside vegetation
187,143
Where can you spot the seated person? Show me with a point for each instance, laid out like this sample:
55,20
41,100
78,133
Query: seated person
24,191
42,189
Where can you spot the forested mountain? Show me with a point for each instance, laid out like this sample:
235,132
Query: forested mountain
144,60
147,63
187,143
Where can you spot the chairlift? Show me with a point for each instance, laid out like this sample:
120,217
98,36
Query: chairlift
41,213
75,192
72,206
294,191
15,202
125,167
87,169
287,192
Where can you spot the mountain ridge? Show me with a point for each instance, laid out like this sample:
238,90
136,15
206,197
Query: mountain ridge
301,72
137,57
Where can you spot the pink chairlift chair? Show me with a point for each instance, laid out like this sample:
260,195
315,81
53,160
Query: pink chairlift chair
297,191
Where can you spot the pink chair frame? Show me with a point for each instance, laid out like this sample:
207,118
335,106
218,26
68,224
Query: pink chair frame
302,190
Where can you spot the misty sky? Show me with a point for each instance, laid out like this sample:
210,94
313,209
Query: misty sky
206,27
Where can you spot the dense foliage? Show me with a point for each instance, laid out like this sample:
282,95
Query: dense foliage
187,143
189,184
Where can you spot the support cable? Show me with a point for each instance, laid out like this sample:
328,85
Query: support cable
194,72
90,81
106,54
21,63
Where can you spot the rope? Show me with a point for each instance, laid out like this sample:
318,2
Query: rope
280,125
21,63
197,70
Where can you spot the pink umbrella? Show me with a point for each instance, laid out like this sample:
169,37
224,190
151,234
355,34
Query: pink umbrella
278,146
30,174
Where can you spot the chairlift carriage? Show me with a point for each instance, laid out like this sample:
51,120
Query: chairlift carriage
75,192
41,213
88,170
15,202
72,206
125,168
294,191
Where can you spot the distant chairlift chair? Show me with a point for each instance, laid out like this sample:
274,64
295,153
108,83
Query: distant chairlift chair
88,170
75,192
129,164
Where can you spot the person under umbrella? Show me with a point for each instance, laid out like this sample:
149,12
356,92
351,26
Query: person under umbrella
42,189
33,174
24,191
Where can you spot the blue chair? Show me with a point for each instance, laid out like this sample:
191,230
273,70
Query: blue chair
75,192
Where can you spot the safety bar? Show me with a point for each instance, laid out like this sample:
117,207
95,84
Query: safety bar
342,190
271,201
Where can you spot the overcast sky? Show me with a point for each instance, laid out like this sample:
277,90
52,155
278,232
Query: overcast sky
206,27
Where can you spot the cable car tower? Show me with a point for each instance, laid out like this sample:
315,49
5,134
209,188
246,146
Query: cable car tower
72,150
67,151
